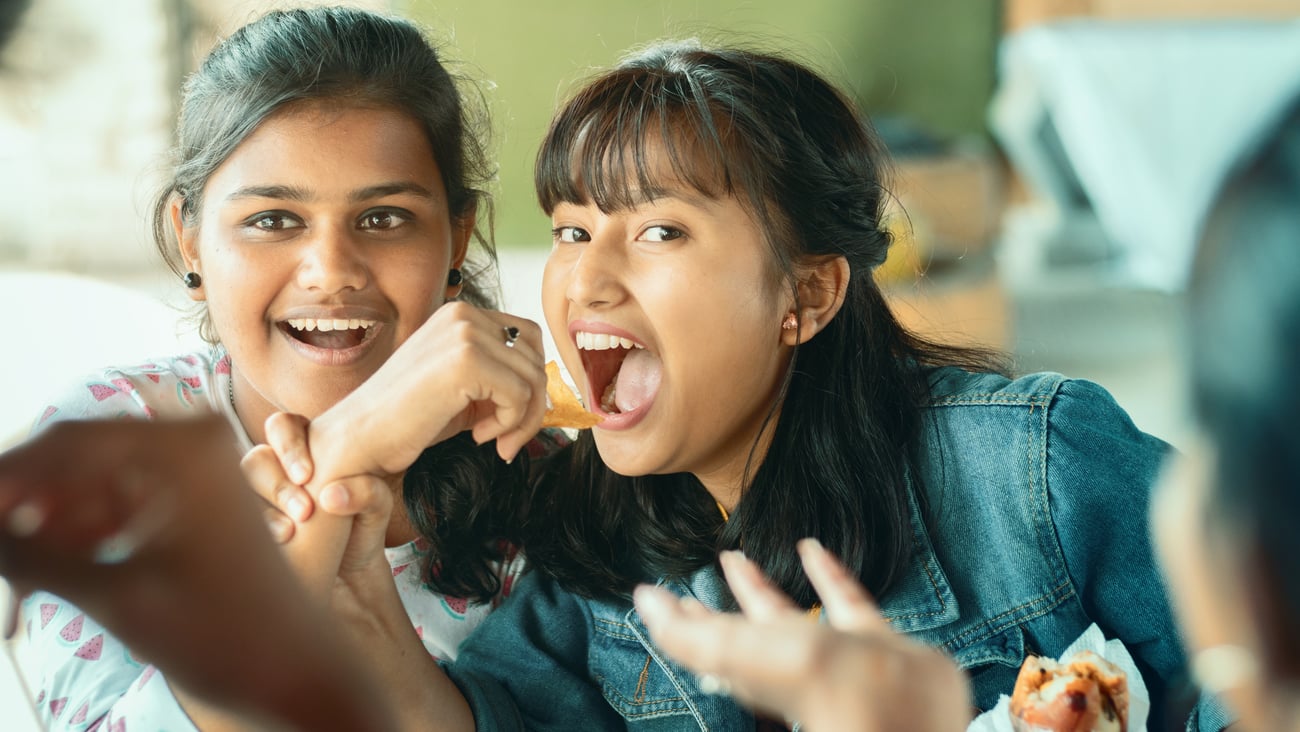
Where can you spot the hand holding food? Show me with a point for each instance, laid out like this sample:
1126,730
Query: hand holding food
564,408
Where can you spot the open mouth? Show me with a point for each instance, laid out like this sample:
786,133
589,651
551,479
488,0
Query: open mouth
622,374
329,333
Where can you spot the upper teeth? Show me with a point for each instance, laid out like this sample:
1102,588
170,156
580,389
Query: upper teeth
602,341
328,324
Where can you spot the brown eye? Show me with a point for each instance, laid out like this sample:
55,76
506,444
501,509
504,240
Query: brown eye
382,220
661,233
570,234
272,221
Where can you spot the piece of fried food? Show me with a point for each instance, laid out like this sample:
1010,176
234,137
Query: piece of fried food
565,409
1083,693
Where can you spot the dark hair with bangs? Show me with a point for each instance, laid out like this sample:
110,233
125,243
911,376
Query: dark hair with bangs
810,169
356,56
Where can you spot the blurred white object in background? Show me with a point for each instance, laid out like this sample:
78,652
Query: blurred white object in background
65,326
1123,129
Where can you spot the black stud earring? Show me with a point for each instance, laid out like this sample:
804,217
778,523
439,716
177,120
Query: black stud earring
454,278
192,280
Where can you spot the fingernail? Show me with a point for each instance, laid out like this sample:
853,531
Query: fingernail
298,508
25,519
334,497
731,556
299,472
279,530
653,603
810,544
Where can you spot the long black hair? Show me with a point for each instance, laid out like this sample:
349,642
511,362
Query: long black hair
1245,352
336,53
803,160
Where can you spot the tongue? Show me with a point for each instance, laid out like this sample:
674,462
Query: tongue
637,380
332,339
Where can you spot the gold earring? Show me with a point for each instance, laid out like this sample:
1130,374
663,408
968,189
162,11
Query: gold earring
790,323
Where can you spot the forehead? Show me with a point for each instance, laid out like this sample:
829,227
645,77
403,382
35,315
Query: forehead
618,162
324,145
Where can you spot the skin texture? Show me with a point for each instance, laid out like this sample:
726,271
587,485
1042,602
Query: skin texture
1208,572
691,279
165,497
285,232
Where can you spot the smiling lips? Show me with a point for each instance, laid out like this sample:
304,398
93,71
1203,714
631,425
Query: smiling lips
333,334
620,370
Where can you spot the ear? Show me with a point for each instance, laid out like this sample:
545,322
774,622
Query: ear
822,285
462,230
187,240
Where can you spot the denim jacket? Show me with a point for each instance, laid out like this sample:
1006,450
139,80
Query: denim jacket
1036,527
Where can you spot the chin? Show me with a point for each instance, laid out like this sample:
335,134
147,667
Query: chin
629,463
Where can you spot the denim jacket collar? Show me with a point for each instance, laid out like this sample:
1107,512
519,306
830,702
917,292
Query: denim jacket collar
920,598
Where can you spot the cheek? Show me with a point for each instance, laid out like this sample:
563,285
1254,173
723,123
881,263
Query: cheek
554,283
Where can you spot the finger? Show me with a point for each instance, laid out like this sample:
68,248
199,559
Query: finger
761,667
370,526
512,393
262,468
510,443
847,604
356,495
282,527
759,599
287,434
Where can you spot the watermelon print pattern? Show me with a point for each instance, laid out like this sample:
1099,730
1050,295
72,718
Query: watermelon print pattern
72,631
91,649
101,391
88,680
48,609
456,606
57,706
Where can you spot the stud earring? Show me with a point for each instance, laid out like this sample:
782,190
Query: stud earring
454,278
790,322
192,280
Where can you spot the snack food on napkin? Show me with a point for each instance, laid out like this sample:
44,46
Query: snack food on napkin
1000,718
1082,693
565,409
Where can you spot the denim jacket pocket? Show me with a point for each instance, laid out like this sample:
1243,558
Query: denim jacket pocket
630,678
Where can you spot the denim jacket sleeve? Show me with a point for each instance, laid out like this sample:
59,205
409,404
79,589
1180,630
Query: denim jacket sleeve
1100,465
525,666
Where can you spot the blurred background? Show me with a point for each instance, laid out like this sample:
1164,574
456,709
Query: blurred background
1052,158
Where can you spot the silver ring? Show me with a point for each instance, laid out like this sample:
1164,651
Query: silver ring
512,335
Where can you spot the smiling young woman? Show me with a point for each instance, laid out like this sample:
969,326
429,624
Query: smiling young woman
326,192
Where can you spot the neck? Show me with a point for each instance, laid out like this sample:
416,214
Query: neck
726,481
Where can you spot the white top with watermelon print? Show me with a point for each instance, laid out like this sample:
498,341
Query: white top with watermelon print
83,677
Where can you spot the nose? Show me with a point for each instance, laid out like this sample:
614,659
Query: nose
333,261
593,275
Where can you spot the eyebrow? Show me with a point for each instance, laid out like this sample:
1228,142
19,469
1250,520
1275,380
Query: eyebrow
294,193
689,196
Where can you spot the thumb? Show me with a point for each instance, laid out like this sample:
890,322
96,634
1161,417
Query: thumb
369,499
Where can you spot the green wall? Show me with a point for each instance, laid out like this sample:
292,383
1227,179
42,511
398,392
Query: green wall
931,60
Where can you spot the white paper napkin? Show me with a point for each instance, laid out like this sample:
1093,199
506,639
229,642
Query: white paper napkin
998,719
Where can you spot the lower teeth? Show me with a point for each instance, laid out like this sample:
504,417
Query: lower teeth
607,400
